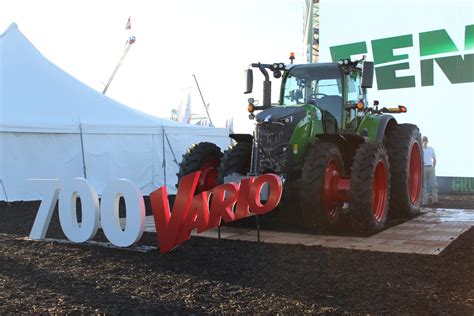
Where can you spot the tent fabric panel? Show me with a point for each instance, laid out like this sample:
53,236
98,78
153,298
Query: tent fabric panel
26,155
110,157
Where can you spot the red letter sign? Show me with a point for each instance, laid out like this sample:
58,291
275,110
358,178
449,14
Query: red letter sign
168,227
193,212
221,206
275,188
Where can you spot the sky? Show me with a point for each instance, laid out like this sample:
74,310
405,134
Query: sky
215,40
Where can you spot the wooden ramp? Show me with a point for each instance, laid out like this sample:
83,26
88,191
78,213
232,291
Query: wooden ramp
429,233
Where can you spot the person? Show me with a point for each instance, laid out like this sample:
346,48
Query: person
429,178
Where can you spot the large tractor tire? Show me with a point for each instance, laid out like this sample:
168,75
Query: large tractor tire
406,167
236,160
204,157
323,165
370,187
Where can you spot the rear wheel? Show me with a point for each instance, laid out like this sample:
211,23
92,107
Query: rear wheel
370,186
406,160
322,169
204,157
236,160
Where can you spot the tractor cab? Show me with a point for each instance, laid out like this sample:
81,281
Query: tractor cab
337,90
321,85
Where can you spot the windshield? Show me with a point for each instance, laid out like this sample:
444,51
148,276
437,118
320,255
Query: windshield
308,84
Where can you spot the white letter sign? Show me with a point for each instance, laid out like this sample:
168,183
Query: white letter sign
49,189
87,229
109,213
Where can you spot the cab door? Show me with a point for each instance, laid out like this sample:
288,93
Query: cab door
352,96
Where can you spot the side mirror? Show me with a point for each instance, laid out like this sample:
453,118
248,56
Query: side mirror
367,74
249,81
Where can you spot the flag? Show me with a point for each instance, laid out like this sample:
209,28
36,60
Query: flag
128,26
229,123
184,109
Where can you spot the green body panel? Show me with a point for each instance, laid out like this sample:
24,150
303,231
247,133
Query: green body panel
306,131
371,123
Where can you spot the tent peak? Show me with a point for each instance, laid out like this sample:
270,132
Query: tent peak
11,27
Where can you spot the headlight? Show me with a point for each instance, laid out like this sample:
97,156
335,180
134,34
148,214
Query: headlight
287,120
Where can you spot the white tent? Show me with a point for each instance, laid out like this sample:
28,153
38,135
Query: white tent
48,119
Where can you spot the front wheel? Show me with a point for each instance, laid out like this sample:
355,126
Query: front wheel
236,160
204,157
322,170
370,187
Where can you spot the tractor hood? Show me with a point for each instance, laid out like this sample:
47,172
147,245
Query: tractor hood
279,114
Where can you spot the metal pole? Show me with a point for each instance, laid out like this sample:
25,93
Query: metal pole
5,192
152,161
203,102
82,151
257,220
171,149
129,44
164,153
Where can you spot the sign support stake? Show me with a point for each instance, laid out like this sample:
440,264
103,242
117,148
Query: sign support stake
257,220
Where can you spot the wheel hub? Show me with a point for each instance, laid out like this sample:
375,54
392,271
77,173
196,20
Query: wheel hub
209,174
379,190
335,190
414,173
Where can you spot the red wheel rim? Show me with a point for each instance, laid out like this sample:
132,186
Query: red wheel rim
414,173
209,174
379,190
331,177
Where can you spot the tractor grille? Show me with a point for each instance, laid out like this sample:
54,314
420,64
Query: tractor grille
273,146
275,126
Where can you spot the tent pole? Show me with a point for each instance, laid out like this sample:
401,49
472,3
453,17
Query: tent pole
5,192
153,161
171,149
164,154
82,151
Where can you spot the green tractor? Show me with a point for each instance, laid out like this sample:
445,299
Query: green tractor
349,160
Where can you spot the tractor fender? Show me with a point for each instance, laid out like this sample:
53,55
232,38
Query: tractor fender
241,137
374,126
385,122
347,144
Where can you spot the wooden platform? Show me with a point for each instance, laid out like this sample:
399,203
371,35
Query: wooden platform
429,233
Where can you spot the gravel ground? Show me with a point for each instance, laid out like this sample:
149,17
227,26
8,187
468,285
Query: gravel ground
211,276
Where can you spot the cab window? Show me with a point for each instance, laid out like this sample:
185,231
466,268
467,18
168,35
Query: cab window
353,89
